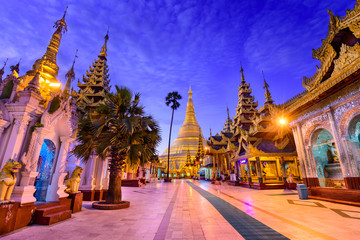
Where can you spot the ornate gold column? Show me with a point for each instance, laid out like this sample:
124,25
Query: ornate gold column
258,169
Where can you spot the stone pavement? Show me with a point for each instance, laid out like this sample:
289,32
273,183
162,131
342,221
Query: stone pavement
200,210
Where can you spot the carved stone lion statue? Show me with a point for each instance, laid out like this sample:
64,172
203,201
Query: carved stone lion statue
73,182
8,179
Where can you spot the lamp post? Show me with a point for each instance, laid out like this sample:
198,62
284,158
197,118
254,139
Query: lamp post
282,121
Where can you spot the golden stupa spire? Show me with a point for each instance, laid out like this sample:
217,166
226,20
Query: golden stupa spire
104,47
190,112
268,99
187,138
70,75
48,61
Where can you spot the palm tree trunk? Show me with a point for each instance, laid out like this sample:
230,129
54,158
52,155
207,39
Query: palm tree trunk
172,117
114,192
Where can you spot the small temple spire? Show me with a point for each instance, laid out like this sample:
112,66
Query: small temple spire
16,67
2,70
268,99
228,123
242,74
70,75
200,148
104,47
34,84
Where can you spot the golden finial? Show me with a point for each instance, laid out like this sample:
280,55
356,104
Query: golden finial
65,12
104,47
267,92
242,73
61,24
227,108
190,92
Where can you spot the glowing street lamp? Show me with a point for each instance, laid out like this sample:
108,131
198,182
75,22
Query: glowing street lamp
282,121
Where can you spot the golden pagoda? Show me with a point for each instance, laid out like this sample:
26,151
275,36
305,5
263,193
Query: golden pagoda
186,143
95,85
46,65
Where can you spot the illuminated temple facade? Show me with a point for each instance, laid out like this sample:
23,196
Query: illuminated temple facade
325,118
186,143
253,150
38,121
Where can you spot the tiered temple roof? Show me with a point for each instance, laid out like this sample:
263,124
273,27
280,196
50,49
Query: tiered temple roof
254,131
246,107
246,112
95,84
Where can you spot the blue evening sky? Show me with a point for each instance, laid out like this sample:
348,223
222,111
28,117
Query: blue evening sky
159,46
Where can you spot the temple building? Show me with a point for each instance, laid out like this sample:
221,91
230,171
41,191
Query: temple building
92,90
38,121
325,118
255,151
186,142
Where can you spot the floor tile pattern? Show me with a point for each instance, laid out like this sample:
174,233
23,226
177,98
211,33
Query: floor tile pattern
161,233
247,226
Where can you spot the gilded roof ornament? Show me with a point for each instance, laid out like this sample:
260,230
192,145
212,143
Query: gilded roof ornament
268,99
104,47
61,24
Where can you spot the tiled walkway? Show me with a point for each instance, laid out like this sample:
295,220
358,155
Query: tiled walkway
247,226
200,210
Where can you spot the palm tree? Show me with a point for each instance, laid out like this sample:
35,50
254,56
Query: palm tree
172,99
118,129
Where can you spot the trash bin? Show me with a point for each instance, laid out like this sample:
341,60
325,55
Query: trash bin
302,191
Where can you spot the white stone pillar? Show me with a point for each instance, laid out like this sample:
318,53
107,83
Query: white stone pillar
99,174
3,124
25,192
31,157
105,184
87,182
16,137
56,188
300,150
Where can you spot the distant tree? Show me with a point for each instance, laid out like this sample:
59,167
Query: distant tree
172,101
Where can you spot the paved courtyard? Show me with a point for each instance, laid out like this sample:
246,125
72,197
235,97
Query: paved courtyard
199,210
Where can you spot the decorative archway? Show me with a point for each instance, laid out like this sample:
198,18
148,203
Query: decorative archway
44,168
326,158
